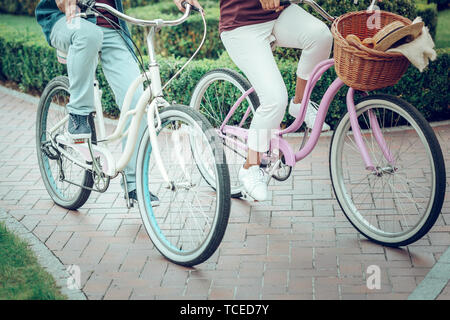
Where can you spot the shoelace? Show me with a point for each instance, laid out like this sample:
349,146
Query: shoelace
74,118
311,112
257,175
77,120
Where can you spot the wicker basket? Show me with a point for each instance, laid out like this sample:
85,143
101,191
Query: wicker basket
363,68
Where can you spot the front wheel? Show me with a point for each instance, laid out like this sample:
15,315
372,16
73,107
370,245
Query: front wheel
399,201
190,222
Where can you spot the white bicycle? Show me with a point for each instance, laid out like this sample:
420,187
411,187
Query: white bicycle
178,147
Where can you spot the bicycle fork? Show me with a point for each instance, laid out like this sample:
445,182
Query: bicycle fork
378,135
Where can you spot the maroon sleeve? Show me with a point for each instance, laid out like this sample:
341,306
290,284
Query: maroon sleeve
238,13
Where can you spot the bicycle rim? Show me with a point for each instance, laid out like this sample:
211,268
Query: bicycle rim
52,110
189,224
214,96
399,201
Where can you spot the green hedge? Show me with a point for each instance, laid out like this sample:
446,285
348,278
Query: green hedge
441,4
182,40
30,62
18,6
429,15
28,6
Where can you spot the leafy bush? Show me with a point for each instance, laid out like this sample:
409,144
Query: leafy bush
441,4
30,62
19,6
181,40
27,6
137,3
428,12
336,8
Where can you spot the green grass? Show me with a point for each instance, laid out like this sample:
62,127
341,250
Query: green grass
21,276
21,23
443,29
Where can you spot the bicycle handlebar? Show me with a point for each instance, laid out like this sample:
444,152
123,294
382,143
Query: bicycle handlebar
318,8
313,4
89,4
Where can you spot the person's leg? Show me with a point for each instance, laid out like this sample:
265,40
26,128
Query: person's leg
82,41
121,69
296,28
249,48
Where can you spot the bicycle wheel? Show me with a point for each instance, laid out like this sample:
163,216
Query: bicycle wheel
214,95
189,224
51,111
398,202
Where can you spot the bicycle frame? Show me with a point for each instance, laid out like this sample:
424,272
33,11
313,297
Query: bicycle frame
278,142
150,100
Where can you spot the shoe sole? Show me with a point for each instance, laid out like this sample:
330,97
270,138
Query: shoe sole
79,138
155,204
246,196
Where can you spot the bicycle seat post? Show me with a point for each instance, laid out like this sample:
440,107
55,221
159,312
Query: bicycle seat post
153,64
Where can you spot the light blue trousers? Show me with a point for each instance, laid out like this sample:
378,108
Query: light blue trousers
83,40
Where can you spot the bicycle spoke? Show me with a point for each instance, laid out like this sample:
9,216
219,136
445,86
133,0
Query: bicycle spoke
389,206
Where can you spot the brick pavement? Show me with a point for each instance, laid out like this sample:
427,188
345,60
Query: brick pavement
300,246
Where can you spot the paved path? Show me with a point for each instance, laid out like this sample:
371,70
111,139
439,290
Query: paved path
300,246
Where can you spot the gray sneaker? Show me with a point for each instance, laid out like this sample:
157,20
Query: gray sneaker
154,200
79,127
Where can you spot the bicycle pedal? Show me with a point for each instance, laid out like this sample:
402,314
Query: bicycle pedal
245,196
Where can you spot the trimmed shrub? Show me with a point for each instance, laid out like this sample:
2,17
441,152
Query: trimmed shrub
336,8
137,3
182,40
28,6
30,62
441,4
428,12
19,6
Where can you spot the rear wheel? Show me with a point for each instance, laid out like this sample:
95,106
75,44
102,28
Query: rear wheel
214,96
191,219
55,169
399,201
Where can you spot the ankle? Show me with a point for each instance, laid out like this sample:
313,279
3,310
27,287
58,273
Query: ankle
247,166
297,100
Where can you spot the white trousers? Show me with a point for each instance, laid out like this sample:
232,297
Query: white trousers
250,49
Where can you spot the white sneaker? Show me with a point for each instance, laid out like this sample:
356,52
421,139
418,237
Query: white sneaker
311,113
254,182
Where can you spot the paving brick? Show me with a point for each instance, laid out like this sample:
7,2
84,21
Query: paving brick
298,245
57,240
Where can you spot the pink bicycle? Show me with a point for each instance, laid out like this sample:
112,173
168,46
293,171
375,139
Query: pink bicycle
386,165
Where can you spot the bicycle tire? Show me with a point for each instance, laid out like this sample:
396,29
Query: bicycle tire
169,241
242,85
82,195
437,165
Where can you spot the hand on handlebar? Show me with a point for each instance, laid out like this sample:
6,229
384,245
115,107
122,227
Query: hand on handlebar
271,5
69,7
180,4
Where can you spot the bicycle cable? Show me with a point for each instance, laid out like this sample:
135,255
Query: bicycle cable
202,13
117,27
